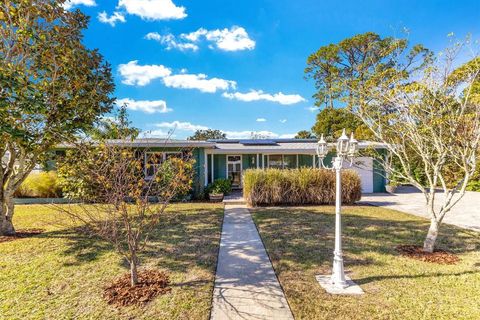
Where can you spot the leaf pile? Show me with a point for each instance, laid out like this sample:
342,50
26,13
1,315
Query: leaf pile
438,256
151,283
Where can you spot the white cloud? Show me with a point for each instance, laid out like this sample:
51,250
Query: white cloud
113,19
72,3
312,109
256,95
283,120
170,42
287,136
135,74
183,126
158,134
234,39
147,106
153,9
261,120
189,127
198,81
249,134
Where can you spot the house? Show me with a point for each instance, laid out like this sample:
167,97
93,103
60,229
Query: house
228,158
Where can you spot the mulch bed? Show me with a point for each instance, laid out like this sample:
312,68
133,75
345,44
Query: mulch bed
20,234
151,283
437,256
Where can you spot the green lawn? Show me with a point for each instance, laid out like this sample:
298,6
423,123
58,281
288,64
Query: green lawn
299,242
60,274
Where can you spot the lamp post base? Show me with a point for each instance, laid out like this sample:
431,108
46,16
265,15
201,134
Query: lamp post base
351,287
338,275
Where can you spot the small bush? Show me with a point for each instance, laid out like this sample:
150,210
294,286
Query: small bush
298,186
40,185
220,186
474,184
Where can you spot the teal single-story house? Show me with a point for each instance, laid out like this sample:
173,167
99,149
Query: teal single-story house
229,158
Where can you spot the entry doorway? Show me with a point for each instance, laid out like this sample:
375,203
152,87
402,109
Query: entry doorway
234,170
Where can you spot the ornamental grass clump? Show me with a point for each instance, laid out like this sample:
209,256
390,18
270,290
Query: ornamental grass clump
40,185
298,186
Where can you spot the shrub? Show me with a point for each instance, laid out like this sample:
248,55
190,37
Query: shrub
298,186
474,183
220,186
174,177
40,185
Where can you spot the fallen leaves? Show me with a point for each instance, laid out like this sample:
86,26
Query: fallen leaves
151,283
438,256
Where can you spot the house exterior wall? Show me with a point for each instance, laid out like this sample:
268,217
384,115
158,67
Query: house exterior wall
249,161
203,165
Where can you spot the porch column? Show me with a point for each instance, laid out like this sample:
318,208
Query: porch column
263,161
258,161
297,160
211,169
205,166
314,165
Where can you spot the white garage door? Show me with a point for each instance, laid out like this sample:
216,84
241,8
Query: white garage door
364,167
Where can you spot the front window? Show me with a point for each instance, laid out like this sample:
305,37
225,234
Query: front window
279,161
275,161
153,161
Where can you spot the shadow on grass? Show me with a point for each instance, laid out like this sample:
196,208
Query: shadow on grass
305,236
365,280
182,240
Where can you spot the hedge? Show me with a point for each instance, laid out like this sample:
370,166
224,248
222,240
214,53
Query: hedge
298,186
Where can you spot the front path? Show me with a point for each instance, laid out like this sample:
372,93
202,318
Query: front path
246,286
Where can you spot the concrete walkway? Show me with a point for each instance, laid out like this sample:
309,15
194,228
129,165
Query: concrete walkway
465,214
245,284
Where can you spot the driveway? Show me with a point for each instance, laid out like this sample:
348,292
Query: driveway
465,214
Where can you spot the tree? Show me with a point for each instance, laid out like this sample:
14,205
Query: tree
361,59
422,109
304,134
51,88
121,210
118,127
331,121
207,134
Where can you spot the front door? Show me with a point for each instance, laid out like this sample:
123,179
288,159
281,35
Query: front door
234,170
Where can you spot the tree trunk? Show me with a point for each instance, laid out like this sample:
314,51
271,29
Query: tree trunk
429,243
133,272
6,211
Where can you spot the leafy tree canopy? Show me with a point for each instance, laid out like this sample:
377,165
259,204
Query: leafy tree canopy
304,134
51,88
331,121
341,70
207,135
117,127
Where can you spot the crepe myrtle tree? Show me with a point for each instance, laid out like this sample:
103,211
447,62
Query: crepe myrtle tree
425,108
51,88
118,201
432,117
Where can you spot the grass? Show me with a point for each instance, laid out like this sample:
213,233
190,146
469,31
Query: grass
60,274
299,242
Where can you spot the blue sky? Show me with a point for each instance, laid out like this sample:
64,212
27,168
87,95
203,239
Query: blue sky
238,66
